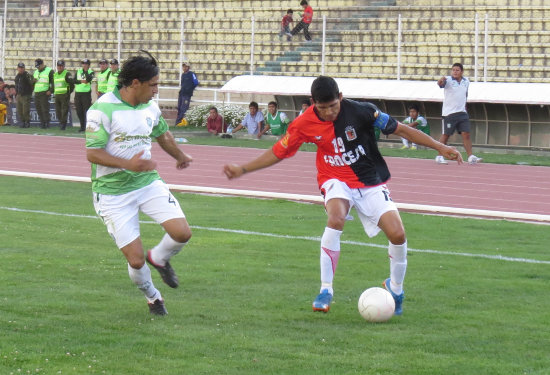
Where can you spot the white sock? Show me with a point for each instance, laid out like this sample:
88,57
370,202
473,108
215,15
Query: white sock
330,253
405,142
142,278
165,250
398,266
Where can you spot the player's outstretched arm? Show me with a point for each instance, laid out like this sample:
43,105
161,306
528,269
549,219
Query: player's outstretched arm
265,160
418,137
167,142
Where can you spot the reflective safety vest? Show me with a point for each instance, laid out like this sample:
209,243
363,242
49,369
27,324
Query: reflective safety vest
102,81
112,81
61,86
42,80
82,87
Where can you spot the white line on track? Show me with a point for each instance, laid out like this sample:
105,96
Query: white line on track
305,238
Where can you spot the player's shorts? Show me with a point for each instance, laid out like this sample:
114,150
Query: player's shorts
459,121
370,203
120,213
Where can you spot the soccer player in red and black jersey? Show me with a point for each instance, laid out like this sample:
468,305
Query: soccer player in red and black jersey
351,173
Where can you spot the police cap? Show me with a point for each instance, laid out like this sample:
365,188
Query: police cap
60,63
103,61
38,62
114,62
85,61
21,65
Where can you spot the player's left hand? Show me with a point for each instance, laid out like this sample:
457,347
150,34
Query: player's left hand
184,161
451,153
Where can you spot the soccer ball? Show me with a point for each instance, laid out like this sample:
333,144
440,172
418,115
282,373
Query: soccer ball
376,305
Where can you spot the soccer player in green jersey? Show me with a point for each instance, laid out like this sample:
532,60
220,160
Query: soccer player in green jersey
119,131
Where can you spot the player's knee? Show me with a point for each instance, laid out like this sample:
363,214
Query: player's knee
397,236
182,236
336,221
136,263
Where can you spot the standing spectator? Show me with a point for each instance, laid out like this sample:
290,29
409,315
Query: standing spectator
102,77
82,2
188,82
275,120
112,79
253,121
83,92
307,17
454,112
4,102
124,179
285,25
43,88
415,121
63,86
350,172
23,87
214,122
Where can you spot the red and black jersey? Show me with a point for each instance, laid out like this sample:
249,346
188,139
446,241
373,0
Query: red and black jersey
346,148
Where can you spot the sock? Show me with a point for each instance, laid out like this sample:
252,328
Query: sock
330,253
142,278
398,266
405,142
165,250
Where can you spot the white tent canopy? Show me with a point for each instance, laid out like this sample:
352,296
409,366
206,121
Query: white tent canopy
480,92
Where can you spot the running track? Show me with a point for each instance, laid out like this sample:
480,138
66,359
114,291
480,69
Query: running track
494,187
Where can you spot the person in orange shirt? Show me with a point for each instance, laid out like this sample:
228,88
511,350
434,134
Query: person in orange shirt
307,17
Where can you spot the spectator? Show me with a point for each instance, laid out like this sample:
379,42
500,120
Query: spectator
307,17
82,2
83,92
102,77
112,79
4,103
454,112
188,82
43,88
285,25
214,122
415,121
23,87
12,94
63,86
253,121
275,120
305,105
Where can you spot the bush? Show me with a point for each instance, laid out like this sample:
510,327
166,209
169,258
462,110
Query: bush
232,114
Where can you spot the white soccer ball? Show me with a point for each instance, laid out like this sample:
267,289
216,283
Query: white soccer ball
376,305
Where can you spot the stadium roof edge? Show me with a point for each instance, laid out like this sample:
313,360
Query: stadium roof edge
480,92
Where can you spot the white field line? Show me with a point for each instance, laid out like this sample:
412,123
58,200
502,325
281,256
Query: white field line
305,238
437,210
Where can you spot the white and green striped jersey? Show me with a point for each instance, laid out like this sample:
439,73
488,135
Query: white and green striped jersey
123,131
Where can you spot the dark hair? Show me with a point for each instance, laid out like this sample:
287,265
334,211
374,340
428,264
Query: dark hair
138,67
324,89
253,104
272,103
290,11
459,65
1,79
303,2
213,108
306,102
415,107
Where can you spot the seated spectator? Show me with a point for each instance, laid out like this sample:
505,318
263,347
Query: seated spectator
275,120
305,105
253,121
415,121
214,122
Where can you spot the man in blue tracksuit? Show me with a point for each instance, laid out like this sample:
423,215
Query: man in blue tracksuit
188,82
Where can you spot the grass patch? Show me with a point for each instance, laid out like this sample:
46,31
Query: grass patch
244,306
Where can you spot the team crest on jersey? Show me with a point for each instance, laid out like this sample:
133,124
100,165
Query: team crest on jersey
350,133
149,122
284,141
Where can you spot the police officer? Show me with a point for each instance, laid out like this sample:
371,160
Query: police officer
114,71
83,92
102,77
63,86
43,88
23,89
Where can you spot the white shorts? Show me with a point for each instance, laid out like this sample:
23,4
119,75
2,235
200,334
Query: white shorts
120,213
370,203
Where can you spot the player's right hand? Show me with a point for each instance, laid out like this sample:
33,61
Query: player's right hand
137,164
232,171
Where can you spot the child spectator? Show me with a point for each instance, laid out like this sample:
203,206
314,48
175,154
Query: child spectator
307,17
285,25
